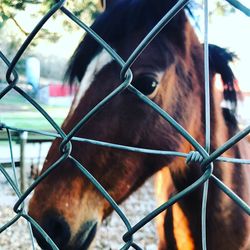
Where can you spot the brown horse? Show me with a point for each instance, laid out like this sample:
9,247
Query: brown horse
170,72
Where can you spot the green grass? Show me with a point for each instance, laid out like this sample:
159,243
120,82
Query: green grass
15,111
30,120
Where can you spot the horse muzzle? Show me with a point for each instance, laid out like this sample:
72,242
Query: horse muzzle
59,231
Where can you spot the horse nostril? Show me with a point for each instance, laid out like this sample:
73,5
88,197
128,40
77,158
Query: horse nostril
58,230
86,234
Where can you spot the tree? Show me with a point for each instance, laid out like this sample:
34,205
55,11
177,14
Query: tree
9,9
14,28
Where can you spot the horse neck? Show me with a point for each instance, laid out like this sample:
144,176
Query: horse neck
224,216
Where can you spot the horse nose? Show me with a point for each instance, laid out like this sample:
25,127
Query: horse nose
58,230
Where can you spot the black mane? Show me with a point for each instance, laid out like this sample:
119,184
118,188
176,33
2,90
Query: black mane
219,59
122,18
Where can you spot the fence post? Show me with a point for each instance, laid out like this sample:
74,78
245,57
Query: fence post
23,140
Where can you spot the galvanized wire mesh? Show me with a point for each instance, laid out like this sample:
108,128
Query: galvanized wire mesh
126,76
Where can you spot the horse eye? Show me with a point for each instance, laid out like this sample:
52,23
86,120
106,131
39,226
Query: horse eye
146,84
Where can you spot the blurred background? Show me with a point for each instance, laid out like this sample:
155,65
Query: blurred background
41,71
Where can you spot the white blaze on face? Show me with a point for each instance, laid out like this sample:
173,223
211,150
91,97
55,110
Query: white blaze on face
95,66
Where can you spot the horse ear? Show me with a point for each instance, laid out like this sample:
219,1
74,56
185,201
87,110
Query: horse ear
106,4
162,6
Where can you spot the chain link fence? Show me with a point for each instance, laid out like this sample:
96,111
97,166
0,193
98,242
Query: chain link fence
126,78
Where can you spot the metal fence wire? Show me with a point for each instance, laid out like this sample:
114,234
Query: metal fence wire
207,159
